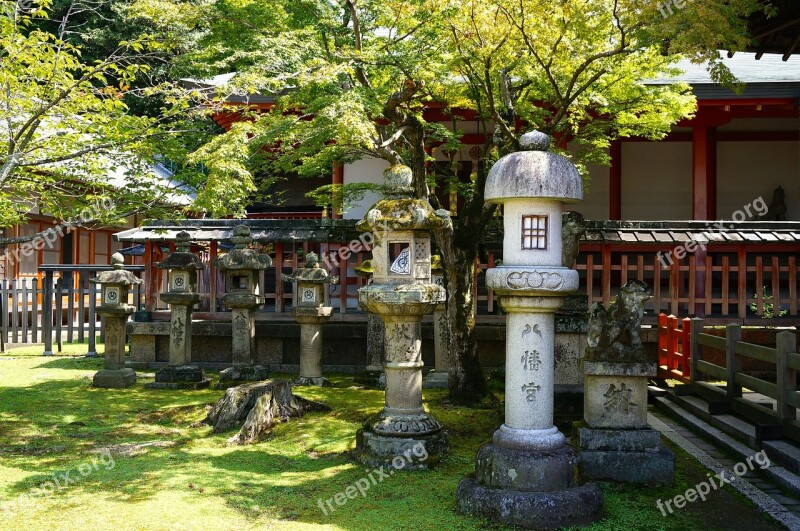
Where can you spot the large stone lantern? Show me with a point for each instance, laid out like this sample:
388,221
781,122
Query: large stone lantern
311,312
115,310
401,292
241,267
527,475
182,267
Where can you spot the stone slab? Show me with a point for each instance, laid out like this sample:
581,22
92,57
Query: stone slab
417,453
619,440
203,384
642,468
436,380
604,368
181,374
577,506
114,378
311,381
248,373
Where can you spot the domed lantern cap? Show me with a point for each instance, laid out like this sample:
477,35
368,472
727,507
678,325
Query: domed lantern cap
534,173
118,276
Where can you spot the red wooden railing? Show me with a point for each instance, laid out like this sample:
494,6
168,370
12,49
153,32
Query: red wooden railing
728,281
674,348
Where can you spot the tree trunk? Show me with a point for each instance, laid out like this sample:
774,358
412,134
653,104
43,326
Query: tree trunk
467,383
260,405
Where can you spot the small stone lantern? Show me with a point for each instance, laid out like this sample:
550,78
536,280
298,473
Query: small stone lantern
374,331
241,267
439,377
310,311
401,292
115,310
527,475
182,267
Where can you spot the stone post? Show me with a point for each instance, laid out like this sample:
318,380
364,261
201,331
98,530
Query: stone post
374,328
439,377
527,475
240,267
182,267
616,442
115,310
401,293
310,311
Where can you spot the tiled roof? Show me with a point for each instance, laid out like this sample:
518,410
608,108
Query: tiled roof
680,232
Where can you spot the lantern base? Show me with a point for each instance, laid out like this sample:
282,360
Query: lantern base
576,506
182,377
529,488
628,456
318,381
436,380
239,374
399,453
114,378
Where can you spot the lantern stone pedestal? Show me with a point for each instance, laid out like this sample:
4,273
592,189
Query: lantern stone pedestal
182,267
115,311
311,312
374,367
311,321
528,476
240,267
616,442
401,292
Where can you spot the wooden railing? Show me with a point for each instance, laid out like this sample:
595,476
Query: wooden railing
742,282
783,389
674,348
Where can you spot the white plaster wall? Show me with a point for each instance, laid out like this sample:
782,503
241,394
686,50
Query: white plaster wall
367,170
595,194
656,180
749,170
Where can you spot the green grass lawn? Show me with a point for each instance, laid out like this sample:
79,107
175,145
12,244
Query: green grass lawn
52,422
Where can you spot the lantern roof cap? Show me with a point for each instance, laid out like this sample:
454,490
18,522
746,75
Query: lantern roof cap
118,276
311,273
242,257
534,173
182,259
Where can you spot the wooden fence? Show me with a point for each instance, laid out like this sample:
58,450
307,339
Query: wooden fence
742,282
783,389
674,348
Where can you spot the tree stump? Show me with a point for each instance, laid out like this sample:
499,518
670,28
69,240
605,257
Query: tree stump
260,405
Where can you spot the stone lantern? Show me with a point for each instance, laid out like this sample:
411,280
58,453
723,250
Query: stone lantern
527,475
241,267
401,292
182,267
439,377
115,310
310,311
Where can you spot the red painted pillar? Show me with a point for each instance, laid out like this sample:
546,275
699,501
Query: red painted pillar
150,278
338,178
704,172
615,182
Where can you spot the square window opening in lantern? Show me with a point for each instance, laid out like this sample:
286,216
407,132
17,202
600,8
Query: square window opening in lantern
534,232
